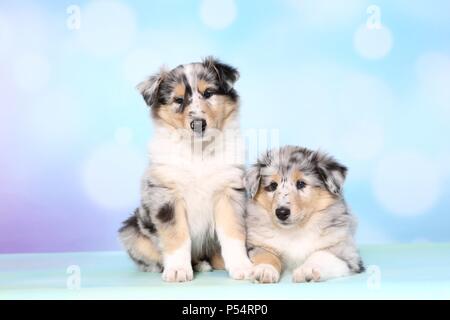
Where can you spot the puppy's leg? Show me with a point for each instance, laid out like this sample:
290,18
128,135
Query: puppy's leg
216,261
139,243
320,266
175,242
229,219
202,266
266,266
212,261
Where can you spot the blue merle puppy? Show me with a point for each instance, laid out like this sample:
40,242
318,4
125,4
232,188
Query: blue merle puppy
193,198
297,218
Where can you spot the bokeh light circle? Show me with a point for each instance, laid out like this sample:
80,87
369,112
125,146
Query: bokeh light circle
111,176
373,43
124,136
362,141
325,14
107,27
433,71
31,72
6,36
218,14
140,64
407,183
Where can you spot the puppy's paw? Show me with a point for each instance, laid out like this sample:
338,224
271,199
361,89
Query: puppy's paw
307,273
202,266
265,273
241,271
178,274
150,268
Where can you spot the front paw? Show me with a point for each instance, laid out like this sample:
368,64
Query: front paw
178,274
265,273
241,271
306,273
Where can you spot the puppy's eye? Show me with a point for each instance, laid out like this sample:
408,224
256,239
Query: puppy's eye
272,186
300,184
179,100
208,94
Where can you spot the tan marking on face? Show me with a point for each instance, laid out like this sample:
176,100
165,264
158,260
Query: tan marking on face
263,256
262,197
266,198
212,114
229,109
316,200
228,219
175,233
276,177
219,110
168,117
179,90
147,249
303,203
202,86
297,175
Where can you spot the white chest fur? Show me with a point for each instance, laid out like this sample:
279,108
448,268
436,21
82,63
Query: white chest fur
293,245
197,178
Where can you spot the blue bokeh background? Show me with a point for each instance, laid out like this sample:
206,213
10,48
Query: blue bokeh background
366,81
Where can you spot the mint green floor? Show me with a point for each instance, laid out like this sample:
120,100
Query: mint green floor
395,271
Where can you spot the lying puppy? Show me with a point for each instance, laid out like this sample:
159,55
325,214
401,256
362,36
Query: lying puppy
297,218
193,198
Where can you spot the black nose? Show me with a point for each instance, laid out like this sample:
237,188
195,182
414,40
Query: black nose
198,125
283,213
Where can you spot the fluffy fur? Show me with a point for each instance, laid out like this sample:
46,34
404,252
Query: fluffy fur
193,199
297,218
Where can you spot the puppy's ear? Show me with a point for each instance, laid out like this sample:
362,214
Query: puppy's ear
252,180
149,88
332,174
226,74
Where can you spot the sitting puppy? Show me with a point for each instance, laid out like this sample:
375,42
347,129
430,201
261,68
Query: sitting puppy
297,218
193,198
